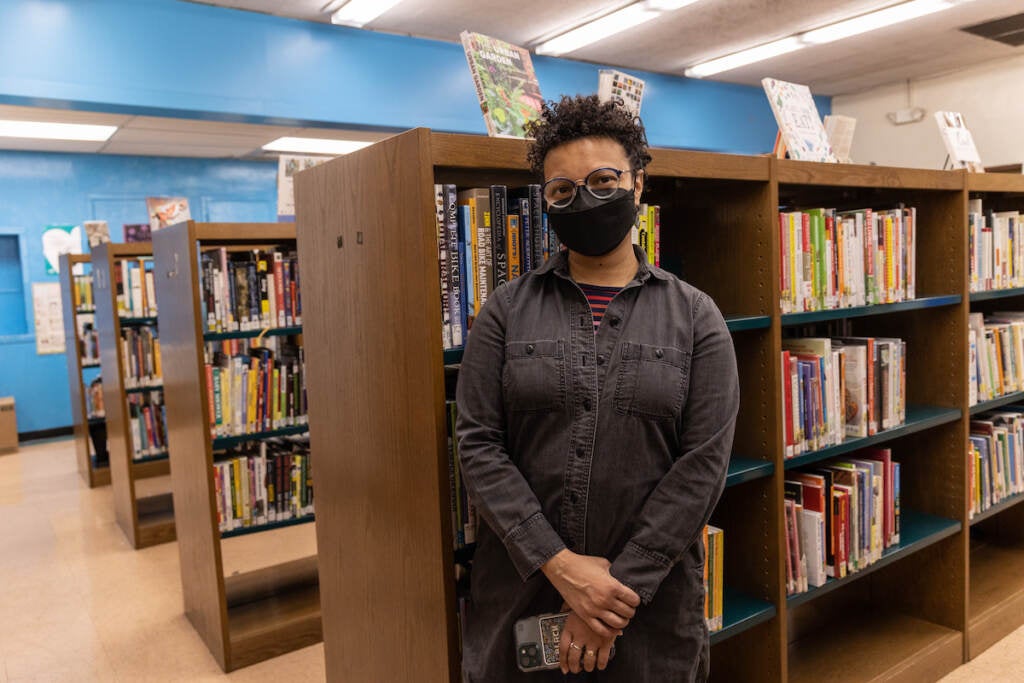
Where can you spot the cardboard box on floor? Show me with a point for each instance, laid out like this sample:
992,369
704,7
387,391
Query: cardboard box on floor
8,425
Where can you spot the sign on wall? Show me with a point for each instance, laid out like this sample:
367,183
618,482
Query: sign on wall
49,317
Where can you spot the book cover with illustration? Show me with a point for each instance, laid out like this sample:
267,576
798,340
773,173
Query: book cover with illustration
98,232
799,122
622,88
137,232
958,140
506,84
164,211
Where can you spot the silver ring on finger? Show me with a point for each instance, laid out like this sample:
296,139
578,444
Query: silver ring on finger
574,646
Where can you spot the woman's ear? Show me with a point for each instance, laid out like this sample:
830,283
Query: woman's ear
638,186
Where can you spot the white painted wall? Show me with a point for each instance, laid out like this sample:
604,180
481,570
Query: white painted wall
991,98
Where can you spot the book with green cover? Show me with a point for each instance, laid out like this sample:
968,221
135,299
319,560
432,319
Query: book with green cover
506,84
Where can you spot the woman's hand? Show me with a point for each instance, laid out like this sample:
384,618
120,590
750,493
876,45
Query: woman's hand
602,602
580,649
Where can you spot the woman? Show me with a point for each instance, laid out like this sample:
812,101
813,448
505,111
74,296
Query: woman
597,401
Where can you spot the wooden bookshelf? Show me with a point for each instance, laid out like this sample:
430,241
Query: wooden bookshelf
94,469
146,518
248,616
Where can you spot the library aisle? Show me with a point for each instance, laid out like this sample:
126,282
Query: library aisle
78,604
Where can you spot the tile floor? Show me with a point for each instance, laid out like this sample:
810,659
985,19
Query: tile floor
78,604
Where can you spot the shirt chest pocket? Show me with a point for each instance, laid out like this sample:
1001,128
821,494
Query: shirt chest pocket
652,381
534,376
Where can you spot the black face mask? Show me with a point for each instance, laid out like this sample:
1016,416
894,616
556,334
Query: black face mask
592,226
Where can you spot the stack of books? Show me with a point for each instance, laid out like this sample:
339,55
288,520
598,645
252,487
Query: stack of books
839,259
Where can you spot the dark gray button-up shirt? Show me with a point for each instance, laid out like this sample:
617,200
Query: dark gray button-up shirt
614,443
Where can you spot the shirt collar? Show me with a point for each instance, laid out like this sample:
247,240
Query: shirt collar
559,265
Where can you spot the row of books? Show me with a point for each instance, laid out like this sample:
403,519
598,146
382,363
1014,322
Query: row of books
995,248
88,339
250,290
82,293
843,387
253,388
996,361
264,483
995,465
148,417
840,518
838,259
714,571
463,513
140,350
136,295
647,232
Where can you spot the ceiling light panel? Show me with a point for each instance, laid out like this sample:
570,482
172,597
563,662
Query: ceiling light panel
42,130
314,146
358,13
874,20
744,57
596,30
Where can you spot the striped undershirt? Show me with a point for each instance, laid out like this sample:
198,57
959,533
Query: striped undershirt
599,297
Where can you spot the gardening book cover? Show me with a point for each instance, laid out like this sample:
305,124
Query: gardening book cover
506,84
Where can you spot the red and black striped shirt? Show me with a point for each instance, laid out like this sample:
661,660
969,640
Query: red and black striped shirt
599,297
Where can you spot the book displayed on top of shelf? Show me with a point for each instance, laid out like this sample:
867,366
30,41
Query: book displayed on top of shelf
138,232
253,389
622,88
798,119
995,459
996,355
250,290
263,483
287,166
164,211
995,248
98,232
840,517
958,141
846,387
840,135
506,84
136,297
833,259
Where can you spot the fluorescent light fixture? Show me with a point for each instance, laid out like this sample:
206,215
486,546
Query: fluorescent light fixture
667,5
596,30
41,130
314,146
874,20
744,57
358,13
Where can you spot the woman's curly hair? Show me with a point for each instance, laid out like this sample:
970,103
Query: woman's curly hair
585,116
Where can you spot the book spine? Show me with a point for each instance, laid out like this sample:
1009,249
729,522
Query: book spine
455,288
499,211
443,266
537,219
526,241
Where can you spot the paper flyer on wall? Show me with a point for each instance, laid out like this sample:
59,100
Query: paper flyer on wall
48,317
799,121
164,211
621,87
287,166
506,84
959,141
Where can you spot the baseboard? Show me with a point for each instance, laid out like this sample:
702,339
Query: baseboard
55,433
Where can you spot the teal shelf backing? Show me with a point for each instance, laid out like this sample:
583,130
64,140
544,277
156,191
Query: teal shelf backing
996,294
997,508
919,418
861,311
741,323
739,613
453,356
998,402
917,531
252,334
242,531
742,470
222,442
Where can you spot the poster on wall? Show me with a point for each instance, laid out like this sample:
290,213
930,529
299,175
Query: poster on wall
57,240
49,319
287,166
164,211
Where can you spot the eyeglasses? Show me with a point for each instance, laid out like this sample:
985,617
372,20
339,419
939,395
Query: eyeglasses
601,183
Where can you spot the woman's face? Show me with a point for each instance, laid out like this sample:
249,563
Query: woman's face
576,159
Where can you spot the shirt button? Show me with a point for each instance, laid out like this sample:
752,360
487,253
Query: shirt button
573,497
586,404
659,353
529,348
600,360
614,322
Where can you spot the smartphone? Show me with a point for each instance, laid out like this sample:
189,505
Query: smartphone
537,640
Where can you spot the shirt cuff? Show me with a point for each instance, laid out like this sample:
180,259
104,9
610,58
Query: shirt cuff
531,544
641,569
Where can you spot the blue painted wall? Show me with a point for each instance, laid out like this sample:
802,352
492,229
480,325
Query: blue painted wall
39,189
172,57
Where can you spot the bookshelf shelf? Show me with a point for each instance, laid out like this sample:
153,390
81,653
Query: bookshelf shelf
742,470
991,294
306,519
1002,505
95,470
145,521
791,319
222,442
917,531
742,323
250,334
997,593
919,418
242,619
740,613
999,402
138,322
143,390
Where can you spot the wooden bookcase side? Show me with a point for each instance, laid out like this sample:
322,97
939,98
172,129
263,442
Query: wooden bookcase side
148,520
92,474
244,618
